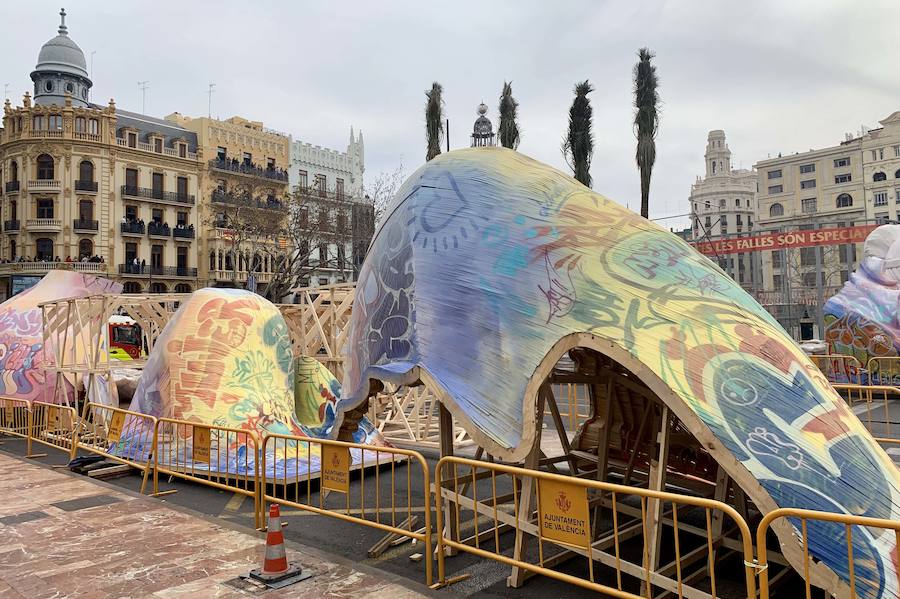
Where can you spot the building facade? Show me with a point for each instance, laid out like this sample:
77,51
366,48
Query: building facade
335,212
723,204
243,191
93,188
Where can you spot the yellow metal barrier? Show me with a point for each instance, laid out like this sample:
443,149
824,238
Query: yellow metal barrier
839,368
577,403
220,457
570,515
290,462
819,519
120,435
15,416
884,370
872,397
54,425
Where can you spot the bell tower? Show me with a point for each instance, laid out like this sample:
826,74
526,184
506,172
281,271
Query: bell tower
718,156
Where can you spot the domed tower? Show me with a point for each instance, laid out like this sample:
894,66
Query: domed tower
718,156
483,132
61,71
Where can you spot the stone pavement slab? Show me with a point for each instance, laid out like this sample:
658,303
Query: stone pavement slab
65,535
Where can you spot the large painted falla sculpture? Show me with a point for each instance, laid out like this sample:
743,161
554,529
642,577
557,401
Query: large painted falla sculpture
488,261
861,320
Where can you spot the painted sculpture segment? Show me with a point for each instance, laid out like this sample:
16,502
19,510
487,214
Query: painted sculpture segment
488,258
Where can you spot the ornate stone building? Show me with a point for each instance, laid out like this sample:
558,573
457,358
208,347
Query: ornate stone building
83,183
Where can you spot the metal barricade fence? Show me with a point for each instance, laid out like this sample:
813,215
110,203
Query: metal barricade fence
839,368
884,370
220,457
873,398
577,403
570,515
291,465
54,425
15,418
121,435
827,525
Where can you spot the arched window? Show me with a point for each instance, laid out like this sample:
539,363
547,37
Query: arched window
220,260
212,260
879,176
158,288
897,175
229,261
12,249
94,127
13,209
844,201
80,124
44,167
14,171
85,248
737,202
257,263
776,210
721,203
132,287
86,171
43,249
182,288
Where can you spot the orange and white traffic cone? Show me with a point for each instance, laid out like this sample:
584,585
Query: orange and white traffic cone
276,568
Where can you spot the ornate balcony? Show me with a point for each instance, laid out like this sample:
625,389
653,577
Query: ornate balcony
85,226
86,186
250,170
224,197
39,268
158,231
45,185
39,225
183,234
169,272
11,225
145,147
157,195
135,229
12,186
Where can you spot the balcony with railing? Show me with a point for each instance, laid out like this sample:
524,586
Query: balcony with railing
158,195
12,186
43,224
133,228
83,136
147,270
45,185
225,197
158,230
47,133
86,186
186,233
11,225
40,268
83,225
251,169
145,147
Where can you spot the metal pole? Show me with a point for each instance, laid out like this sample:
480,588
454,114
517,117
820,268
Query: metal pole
448,135
820,295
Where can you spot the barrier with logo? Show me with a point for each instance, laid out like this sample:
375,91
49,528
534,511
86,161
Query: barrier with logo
839,368
840,533
603,524
54,425
220,457
120,435
872,403
391,500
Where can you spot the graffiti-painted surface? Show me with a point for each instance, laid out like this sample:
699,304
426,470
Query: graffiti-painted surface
225,359
22,353
861,320
489,258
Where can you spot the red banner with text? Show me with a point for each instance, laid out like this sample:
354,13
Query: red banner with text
790,239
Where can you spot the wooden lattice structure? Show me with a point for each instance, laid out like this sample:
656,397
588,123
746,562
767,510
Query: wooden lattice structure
76,338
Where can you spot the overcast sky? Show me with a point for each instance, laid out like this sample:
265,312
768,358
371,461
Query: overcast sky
776,76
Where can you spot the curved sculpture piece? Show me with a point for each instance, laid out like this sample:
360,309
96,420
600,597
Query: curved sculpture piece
490,265
861,319
22,351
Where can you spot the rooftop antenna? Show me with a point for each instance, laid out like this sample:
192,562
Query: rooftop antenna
209,93
144,86
5,91
92,71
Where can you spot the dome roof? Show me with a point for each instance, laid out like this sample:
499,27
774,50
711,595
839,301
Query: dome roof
61,54
483,124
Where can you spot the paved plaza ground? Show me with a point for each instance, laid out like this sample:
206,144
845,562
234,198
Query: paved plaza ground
66,535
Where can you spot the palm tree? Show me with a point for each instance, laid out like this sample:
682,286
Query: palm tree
578,145
434,120
646,122
509,129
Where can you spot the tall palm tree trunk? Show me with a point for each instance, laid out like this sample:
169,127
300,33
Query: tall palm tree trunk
509,128
646,122
434,120
578,145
